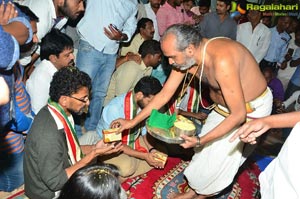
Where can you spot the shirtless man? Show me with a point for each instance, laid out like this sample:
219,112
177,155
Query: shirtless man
239,91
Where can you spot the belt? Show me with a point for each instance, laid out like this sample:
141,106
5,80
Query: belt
269,63
249,107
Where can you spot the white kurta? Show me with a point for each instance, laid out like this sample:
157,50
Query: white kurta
257,41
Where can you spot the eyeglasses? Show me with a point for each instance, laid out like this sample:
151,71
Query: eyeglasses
84,100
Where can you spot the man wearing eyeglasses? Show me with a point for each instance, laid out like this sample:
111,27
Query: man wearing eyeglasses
56,53
52,152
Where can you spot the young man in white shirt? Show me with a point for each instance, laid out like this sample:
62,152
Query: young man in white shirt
56,53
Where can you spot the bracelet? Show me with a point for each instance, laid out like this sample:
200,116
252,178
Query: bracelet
198,144
151,149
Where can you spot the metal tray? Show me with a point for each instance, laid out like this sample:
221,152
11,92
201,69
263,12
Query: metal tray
164,135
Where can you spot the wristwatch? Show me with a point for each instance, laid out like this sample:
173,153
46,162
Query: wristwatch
198,144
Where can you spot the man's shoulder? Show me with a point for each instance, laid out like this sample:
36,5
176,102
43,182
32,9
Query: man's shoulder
44,70
128,66
264,28
42,122
116,104
43,115
211,15
246,24
163,8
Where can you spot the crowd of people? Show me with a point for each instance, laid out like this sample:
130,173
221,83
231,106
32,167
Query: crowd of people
61,89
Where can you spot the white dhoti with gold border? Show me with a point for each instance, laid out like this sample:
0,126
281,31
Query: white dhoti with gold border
214,165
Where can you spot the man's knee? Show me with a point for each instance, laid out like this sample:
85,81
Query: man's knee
89,138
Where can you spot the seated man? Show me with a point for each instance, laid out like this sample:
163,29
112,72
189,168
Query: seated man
129,51
136,157
52,152
56,53
128,74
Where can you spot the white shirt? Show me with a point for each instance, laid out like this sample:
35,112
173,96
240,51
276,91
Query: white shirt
286,74
256,41
38,84
99,14
281,177
151,15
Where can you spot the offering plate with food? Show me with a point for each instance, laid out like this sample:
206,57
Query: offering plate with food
181,125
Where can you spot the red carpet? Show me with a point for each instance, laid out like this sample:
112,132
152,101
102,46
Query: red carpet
158,184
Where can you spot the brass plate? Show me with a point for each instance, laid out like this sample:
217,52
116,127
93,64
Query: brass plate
164,135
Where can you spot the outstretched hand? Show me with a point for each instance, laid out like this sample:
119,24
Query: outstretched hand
250,131
189,142
102,148
122,124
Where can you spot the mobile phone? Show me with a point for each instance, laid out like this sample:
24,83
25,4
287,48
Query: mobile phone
115,27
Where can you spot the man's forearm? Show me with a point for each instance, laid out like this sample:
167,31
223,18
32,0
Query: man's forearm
286,120
134,153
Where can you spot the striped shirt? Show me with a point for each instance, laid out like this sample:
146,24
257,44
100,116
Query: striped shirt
13,142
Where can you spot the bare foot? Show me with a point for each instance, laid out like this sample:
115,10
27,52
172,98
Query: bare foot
186,195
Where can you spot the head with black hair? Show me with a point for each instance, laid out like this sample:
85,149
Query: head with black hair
176,43
204,3
70,88
150,52
293,26
70,8
57,47
145,28
297,37
204,6
283,23
223,7
93,182
145,89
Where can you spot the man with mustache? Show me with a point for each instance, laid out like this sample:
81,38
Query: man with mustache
129,51
145,31
128,74
219,23
151,11
52,152
53,14
223,65
56,53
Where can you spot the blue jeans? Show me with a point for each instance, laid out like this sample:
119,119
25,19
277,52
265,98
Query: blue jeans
11,171
99,66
